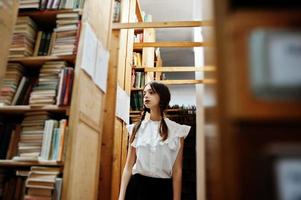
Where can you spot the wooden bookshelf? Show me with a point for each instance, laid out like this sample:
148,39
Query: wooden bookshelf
38,61
249,126
81,165
12,163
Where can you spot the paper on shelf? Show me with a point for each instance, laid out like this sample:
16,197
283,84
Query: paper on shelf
89,50
123,105
101,67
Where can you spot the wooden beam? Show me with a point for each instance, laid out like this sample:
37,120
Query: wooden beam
186,82
171,24
179,69
138,12
138,46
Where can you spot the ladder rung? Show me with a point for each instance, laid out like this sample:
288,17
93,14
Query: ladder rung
170,44
179,69
186,82
171,24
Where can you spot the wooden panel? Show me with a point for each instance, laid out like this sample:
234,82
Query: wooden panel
82,165
98,14
170,24
127,81
8,15
117,168
91,98
85,171
105,186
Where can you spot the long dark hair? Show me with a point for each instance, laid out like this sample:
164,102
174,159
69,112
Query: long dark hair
164,94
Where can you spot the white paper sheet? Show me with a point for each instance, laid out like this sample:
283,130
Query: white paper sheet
100,74
123,105
89,50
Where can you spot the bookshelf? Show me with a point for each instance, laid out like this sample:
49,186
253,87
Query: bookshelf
254,132
84,110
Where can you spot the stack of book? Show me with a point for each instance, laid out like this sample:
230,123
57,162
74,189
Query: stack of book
53,140
67,33
65,87
44,43
23,37
138,79
10,83
117,9
137,59
45,92
43,183
29,4
13,186
136,100
31,136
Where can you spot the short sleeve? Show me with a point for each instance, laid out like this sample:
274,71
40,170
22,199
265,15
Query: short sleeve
182,130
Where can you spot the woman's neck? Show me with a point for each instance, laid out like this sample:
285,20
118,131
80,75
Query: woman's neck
155,115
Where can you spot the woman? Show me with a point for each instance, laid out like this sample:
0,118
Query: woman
153,168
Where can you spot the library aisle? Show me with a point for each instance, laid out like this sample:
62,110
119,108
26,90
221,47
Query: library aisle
72,77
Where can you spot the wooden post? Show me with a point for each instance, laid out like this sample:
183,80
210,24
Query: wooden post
8,16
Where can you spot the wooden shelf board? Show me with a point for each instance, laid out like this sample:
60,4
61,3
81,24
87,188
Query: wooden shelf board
179,69
13,163
170,44
46,18
170,24
26,108
38,61
136,89
135,112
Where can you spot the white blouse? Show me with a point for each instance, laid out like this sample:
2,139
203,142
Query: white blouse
154,157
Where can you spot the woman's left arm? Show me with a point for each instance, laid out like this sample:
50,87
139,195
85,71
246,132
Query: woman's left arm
177,173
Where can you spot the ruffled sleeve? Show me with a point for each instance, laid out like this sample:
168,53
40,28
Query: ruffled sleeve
130,128
176,131
182,130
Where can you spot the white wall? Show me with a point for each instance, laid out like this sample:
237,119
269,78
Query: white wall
182,95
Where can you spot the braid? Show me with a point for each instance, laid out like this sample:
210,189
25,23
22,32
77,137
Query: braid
163,130
137,126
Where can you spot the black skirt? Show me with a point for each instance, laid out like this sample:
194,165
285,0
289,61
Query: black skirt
147,188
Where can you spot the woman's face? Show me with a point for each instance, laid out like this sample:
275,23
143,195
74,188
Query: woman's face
151,99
